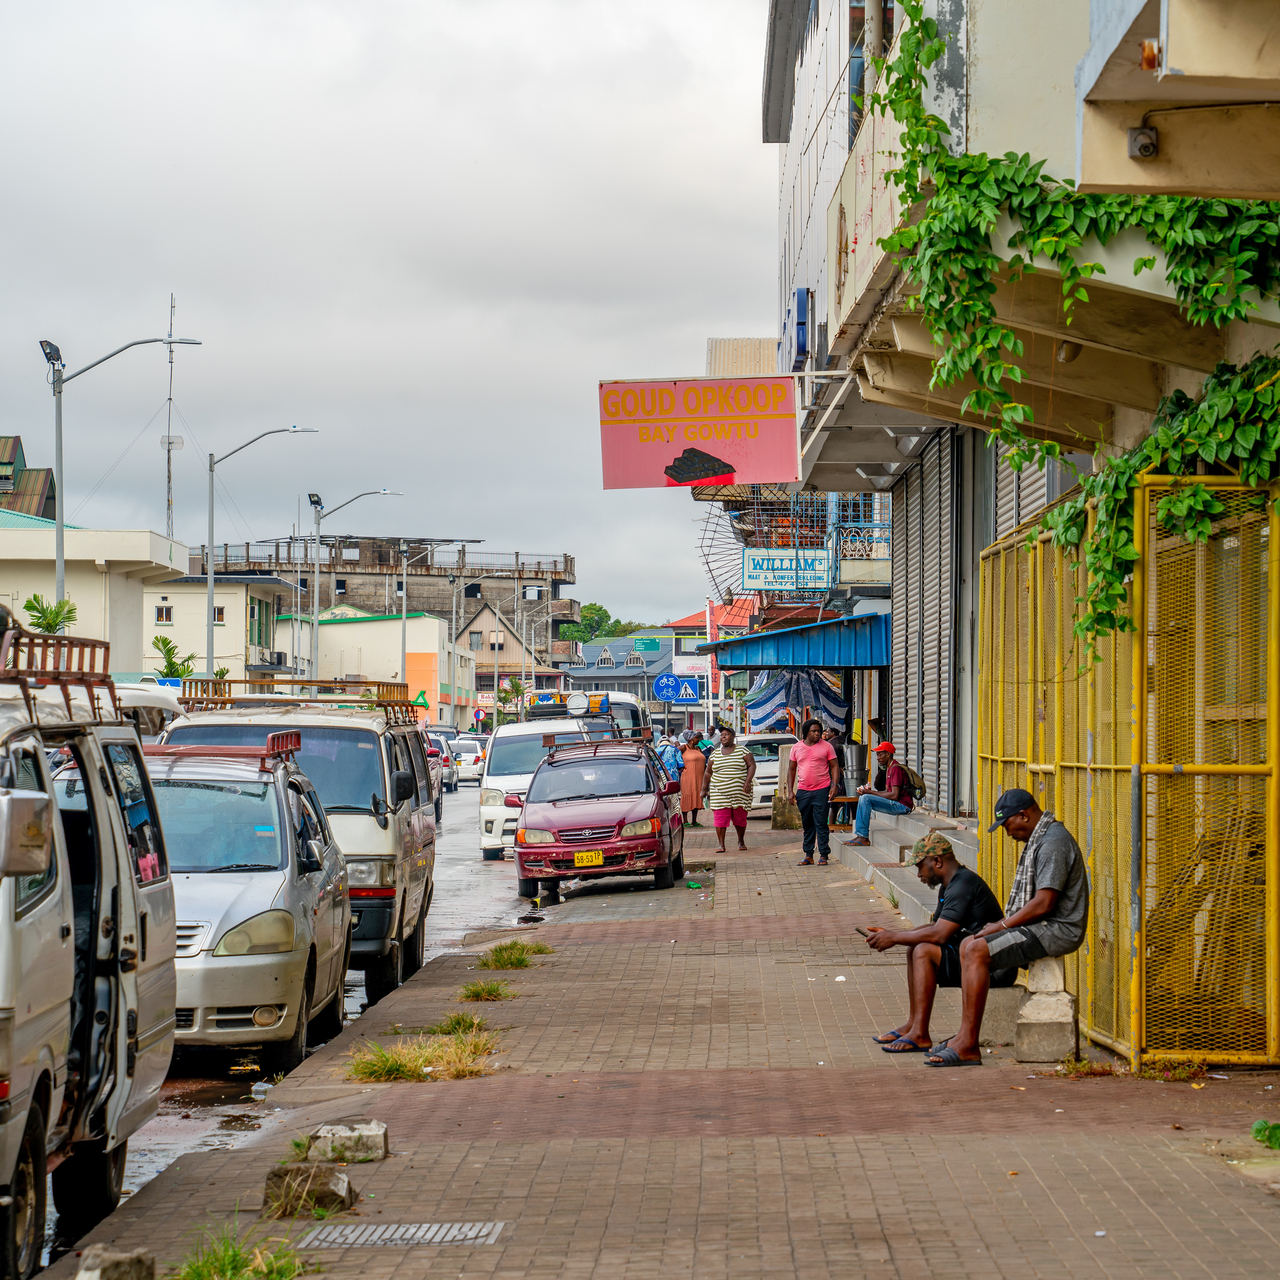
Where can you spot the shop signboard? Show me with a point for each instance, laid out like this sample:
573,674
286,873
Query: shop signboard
689,664
699,431
785,569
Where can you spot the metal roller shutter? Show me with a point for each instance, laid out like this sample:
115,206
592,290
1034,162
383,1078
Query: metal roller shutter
908,725
898,602
1006,494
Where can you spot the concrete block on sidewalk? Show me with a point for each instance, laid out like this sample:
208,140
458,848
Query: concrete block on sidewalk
102,1262
1000,1021
1047,1028
349,1143
1048,974
299,1188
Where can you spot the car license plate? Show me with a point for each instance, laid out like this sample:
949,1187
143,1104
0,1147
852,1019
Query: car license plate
591,858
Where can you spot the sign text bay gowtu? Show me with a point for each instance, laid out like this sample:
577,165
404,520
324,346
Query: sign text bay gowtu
701,431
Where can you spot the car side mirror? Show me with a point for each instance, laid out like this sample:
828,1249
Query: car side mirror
26,833
312,857
513,802
401,786
433,754
672,788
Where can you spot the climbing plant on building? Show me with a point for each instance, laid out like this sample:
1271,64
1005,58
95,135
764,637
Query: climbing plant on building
1219,257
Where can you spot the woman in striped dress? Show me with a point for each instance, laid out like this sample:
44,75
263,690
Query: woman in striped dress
731,771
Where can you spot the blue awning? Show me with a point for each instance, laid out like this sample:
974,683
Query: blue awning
840,642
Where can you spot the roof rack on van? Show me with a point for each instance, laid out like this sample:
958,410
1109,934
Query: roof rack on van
279,746
34,661
555,748
387,696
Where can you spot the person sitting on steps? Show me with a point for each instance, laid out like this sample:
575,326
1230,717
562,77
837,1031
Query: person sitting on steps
965,905
890,793
1047,915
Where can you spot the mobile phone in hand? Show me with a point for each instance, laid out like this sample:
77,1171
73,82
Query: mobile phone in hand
864,933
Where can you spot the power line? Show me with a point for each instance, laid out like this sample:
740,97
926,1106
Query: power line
107,474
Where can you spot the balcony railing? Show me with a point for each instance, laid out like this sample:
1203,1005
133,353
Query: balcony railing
859,542
378,556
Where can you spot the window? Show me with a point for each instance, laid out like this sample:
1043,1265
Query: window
164,615
302,584
475,639
605,659
219,614
340,586
138,809
421,772
496,640
26,777
351,554
399,586
211,826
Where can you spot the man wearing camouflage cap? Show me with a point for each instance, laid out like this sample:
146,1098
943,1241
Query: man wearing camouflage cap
965,906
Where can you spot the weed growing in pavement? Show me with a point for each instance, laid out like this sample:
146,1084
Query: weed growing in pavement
512,955
486,989
449,1057
1168,1071
222,1255
1085,1069
1266,1133
455,1023
893,898
299,1147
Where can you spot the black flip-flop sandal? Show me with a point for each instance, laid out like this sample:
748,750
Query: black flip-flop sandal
950,1058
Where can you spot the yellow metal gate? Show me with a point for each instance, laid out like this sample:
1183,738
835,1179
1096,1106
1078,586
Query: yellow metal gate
1162,749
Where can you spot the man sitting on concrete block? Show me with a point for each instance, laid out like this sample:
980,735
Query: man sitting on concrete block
1047,915
965,905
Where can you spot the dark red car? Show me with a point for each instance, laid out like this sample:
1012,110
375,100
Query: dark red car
599,809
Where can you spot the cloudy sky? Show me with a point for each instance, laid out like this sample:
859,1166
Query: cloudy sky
425,228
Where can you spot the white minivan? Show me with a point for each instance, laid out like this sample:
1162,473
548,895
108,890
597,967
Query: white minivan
511,758
87,978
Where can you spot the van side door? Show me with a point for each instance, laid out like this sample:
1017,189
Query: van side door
422,824
145,931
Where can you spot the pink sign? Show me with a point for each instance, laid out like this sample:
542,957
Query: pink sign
697,432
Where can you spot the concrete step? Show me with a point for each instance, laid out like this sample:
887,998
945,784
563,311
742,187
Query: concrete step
914,901
911,827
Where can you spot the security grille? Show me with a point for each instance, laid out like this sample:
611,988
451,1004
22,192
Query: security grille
580,835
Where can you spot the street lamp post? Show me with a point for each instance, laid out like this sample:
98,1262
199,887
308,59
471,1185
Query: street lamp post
317,506
54,358
453,643
208,563
405,562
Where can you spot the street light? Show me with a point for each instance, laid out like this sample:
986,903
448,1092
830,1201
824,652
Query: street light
54,358
208,563
405,562
317,505
453,645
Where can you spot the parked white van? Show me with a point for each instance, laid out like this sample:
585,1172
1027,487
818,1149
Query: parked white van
370,772
87,978
260,887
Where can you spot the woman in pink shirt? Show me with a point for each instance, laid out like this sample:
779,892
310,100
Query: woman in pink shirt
813,778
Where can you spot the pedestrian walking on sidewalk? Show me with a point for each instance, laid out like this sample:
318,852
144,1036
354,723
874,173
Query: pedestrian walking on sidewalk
889,792
813,775
731,771
671,757
695,768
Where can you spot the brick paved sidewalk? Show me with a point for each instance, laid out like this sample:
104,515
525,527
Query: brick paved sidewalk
699,1097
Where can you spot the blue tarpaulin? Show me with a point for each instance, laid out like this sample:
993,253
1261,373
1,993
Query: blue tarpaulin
774,692
861,641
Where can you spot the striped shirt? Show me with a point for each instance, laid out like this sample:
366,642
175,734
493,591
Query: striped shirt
729,778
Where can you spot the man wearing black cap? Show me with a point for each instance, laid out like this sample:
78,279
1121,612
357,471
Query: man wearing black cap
1047,915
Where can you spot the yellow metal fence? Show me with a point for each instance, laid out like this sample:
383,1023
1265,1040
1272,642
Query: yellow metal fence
1159,759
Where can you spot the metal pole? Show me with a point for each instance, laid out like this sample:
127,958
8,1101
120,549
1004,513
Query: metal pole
315,606
453,662
60,564
208,573
404,613
872,43
497,618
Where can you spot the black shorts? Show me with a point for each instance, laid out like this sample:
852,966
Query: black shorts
949,969
1017,946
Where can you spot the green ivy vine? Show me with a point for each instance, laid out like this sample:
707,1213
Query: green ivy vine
1220,255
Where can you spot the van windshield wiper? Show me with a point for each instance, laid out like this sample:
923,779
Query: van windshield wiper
347,808
248,866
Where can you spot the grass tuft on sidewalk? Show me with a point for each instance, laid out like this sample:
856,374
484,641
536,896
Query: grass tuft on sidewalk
486,989
513,954
455,1023
444,1057
222,1255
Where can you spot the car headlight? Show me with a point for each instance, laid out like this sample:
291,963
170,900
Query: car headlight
365,873
528,835
649,827
489,798
263,935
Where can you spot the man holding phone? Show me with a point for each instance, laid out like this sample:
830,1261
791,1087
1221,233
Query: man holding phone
966,905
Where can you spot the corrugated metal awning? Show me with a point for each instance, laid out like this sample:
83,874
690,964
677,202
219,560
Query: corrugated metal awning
842,642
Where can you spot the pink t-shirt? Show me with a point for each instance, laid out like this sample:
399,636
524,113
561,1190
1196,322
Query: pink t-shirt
813,772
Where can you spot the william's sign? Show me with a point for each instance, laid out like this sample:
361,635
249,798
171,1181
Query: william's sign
785,569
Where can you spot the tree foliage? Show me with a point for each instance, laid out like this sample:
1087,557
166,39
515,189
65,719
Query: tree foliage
173,667
596,624
47,616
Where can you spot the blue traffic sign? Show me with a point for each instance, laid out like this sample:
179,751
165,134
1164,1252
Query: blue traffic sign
688,690
666,688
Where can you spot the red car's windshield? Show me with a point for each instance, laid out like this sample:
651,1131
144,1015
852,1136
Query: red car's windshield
589,780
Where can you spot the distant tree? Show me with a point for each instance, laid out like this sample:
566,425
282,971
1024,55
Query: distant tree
222,673
174,667
597,624
505,697
47,617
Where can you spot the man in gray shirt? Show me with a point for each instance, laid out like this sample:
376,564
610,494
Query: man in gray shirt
1047,915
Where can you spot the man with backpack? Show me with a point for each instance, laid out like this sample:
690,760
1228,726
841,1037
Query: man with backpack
891,791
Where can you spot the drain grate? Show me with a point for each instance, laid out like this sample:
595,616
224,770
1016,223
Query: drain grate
352,1236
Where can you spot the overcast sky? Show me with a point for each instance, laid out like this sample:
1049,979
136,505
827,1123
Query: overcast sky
425,228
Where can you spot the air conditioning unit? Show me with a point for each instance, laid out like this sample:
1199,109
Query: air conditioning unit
278,657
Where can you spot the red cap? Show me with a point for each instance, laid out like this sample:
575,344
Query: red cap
884,746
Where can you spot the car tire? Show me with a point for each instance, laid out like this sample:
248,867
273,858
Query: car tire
664,877
678,866
25,1214
415,947
384,974
328,1022
87,1186
526,888
439,803
280,1057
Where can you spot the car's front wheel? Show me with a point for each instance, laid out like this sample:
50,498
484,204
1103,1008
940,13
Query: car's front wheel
664,877
24,1214
281,1057
526,888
